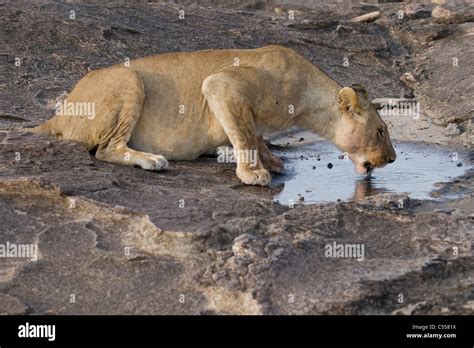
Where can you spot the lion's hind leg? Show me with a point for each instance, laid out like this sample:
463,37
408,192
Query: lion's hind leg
113,142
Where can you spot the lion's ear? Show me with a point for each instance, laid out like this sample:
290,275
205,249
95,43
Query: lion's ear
348,99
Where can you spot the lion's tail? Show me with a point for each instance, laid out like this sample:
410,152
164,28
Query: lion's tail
45,128
48,127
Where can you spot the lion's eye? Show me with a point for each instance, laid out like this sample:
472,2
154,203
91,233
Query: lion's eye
381,132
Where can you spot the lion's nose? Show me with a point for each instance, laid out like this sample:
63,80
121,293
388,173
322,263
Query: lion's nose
391,157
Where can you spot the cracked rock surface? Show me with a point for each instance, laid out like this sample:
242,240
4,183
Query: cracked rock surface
193,239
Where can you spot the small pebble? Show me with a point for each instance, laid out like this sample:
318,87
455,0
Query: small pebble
329,165
459,164
301,139
340,157
314,167
301,198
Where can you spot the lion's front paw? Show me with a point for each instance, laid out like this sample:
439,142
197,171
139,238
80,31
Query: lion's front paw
274,164
153,162
260,177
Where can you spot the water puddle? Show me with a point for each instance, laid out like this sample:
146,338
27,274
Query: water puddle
316,173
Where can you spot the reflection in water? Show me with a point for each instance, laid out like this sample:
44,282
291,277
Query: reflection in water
365,188
309,179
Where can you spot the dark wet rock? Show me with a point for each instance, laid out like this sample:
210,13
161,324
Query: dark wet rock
12,306
417,11
228,251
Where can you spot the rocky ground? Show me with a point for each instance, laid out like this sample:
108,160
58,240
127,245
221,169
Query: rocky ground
193,240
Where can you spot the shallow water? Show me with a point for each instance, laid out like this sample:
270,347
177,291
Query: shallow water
417,169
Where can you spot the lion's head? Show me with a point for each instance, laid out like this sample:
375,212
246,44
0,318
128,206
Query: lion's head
361,132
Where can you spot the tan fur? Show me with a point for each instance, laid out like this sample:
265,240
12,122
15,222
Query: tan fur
181,105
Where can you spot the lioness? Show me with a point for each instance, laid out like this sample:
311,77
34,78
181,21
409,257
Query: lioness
181,105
